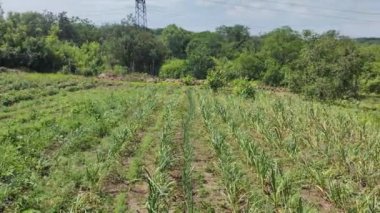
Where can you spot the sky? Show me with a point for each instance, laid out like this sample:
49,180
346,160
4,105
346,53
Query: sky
355,18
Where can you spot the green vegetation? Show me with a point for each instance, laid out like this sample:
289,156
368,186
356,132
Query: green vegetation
243,88
324,66
175,68
72,140
92,145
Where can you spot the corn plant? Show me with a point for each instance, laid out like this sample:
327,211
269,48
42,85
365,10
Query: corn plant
274,183
231,173
187,181
159,189
159,184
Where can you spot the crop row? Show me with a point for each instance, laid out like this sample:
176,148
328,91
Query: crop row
315,143
69,153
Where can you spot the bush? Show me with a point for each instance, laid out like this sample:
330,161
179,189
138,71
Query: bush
274,74
89,60
248,65
174,68
244,88
188,80
372,86
84,60
370,80
215,80
120,70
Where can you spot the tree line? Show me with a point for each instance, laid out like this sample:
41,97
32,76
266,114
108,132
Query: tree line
324,66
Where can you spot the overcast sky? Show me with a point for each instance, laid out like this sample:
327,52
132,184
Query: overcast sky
356,18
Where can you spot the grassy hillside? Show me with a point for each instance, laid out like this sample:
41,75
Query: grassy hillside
77,144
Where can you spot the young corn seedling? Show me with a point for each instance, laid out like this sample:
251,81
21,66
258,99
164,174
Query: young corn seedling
278,188
159,188
159,184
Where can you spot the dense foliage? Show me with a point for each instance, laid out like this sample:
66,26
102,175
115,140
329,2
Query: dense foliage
326,66
174,68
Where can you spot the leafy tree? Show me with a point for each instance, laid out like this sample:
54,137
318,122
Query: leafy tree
249,65
236,39
176,39
279,48
328,68
282,45
199,64
22,43
246,66
136,48
66,28
85,31
200,51
235,34
85,60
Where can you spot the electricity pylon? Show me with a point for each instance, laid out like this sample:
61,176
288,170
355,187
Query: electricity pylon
141,14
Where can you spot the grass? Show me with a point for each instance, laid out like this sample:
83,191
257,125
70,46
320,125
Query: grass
77,144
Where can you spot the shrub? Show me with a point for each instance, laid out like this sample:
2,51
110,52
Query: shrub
188,80
174,68
120,70
274,74
215,80
373,86
225,68
248,65
370,80
89,60
244,88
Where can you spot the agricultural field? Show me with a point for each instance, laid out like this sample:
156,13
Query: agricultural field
76,144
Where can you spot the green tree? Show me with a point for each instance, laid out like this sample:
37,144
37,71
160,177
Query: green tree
135,48
22,43
200,51
280,48
176,39
328,68
236,39
66,29
282,45
249,65
234,34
